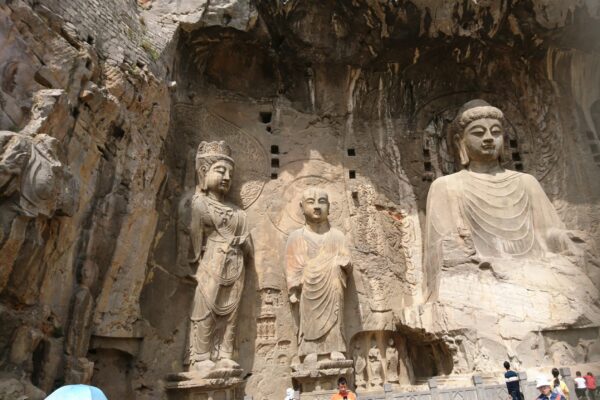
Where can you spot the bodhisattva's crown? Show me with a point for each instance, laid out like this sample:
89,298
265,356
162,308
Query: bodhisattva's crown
214,149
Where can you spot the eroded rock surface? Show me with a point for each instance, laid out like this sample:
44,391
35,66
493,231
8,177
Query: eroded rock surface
103,105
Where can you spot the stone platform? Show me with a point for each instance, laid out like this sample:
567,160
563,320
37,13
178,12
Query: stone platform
194,386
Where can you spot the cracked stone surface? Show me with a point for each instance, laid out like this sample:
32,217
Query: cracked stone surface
102,107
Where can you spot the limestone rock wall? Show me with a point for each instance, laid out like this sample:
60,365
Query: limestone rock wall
102,123
353,96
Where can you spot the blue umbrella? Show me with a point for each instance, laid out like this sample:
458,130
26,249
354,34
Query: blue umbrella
77,392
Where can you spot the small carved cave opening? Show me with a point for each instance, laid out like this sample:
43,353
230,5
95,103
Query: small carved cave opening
117,132
38,358
265,117
396,358
351,152
352,174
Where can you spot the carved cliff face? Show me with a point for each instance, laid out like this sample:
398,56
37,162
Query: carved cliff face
354,97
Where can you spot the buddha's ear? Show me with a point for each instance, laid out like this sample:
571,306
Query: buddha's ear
201,171
502,153
462,151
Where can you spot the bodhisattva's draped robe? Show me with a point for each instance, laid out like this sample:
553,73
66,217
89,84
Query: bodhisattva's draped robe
506,215
219,234
315,264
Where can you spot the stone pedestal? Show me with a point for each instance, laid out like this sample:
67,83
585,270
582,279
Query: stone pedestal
319,382
194,386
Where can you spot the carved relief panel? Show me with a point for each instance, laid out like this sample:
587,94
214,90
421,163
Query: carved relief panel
380,357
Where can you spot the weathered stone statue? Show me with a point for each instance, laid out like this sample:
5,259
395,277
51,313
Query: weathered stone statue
496,249
317,261
375,366
360,365
34,182
221,245
79,368
486,210
392,363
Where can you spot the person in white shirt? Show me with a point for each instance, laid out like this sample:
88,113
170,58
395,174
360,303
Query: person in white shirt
580,386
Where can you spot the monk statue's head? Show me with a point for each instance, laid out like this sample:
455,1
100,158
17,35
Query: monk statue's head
315,205
478,133
214,167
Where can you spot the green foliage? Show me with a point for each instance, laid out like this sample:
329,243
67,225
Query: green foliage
150,50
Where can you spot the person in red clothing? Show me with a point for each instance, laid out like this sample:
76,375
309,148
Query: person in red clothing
343,392
590,383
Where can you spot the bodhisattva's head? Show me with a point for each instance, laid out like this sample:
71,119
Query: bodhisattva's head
315,205
214,168
88,273
478,133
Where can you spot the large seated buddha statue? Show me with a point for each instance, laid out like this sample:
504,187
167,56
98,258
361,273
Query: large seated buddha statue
497,257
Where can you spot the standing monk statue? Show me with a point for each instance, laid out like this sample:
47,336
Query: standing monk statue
221,246
317,261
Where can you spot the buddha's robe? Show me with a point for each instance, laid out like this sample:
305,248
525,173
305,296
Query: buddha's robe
315,264
219,234
505,215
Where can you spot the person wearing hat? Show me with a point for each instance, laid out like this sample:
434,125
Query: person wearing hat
545,387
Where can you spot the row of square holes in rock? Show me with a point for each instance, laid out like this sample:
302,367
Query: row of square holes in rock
594,148
275,162
265,117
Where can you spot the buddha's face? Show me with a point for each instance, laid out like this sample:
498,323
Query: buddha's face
483,139
315,206
218,177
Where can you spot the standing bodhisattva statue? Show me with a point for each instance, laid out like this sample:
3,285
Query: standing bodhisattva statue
221,246
317,261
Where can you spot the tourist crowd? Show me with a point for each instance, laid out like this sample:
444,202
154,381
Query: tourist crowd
557,389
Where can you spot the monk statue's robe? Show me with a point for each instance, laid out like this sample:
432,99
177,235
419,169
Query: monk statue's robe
315,265
219,236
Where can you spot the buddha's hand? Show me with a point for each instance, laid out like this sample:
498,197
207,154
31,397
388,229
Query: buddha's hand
294,296
566,242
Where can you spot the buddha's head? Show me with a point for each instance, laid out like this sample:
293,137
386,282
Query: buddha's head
214,167
478,133
315,205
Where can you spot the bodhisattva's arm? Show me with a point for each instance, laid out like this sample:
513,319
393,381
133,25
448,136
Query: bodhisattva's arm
197,227
248,246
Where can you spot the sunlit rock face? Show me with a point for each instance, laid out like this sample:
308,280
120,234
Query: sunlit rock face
103,107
